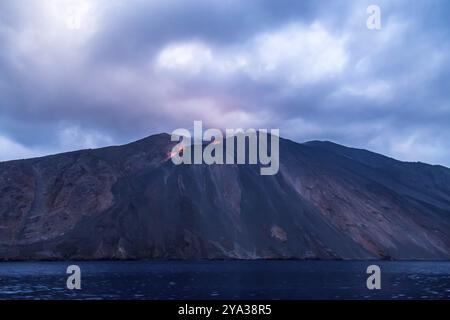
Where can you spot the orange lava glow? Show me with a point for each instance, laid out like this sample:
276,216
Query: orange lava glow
172,154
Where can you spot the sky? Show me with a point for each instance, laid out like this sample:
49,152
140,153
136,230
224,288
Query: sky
90,73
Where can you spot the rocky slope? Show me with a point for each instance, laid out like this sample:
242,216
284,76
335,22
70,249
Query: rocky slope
131,202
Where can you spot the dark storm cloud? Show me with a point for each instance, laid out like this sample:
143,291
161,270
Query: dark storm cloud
310,68
146,25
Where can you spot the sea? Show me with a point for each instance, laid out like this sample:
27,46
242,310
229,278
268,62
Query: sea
217,280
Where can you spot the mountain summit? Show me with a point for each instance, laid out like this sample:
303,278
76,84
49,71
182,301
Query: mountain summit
131,202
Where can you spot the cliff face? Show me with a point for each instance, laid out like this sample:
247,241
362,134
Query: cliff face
131,201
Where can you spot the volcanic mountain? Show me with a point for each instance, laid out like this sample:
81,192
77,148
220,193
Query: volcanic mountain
131,202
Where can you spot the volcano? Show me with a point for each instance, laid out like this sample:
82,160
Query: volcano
131,202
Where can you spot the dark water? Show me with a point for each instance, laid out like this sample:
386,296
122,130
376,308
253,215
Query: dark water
225,280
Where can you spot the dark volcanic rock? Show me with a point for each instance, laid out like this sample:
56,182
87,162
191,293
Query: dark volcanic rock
131,202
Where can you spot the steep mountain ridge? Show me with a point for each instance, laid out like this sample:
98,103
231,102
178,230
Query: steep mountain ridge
132,202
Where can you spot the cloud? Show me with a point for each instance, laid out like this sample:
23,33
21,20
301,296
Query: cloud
191,58
377,90
67,139
78,73
299,54
293,54
10,150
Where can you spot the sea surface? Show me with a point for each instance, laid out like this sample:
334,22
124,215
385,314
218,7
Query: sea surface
178,280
